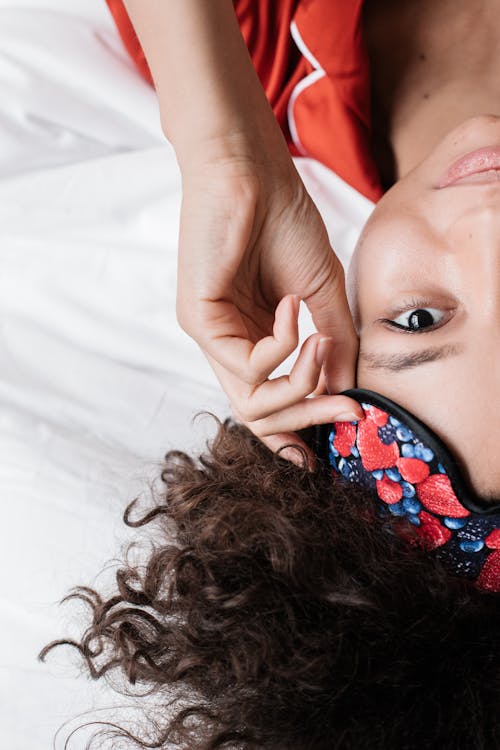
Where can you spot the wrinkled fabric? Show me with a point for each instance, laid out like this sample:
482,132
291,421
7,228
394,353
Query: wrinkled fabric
312,62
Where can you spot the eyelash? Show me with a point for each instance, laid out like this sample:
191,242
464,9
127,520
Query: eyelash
413,309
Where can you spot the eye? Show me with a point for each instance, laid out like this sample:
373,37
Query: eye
418,319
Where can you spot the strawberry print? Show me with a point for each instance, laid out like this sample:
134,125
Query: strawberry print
436,493
345,438
493,539
374,453
432,533
378,416
413,470
388,491
489,577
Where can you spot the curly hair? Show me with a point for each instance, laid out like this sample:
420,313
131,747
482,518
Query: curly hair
284,614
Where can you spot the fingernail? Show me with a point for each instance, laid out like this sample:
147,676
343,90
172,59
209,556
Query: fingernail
347,416
294,456
323,349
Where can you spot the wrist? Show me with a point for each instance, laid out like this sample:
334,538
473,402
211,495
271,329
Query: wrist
238,151
212,104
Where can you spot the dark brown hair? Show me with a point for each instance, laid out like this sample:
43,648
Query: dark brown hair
276,610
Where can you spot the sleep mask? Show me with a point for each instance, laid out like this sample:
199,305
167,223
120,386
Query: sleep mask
413,475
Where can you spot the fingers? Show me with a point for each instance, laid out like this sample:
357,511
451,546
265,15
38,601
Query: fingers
229,343
332,317
270,351
321,388
306,413
281,405
286,445
277,430
275,395
274,409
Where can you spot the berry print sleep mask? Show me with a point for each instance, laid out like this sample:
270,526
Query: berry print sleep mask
413,475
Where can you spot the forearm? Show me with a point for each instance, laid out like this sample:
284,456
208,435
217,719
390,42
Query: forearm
210,97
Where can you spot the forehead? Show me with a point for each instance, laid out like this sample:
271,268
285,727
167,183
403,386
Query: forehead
398,245
387,241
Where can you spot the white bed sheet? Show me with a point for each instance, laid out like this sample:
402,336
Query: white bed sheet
96,379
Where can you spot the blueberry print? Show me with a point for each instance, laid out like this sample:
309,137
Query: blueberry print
412,505
397,509
387,434
424,453
472,546
393,474
408,450
408,489
404,434
415,520
454,523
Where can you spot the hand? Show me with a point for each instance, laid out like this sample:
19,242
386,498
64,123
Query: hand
252,244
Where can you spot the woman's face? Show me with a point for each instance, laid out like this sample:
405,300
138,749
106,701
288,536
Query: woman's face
432,244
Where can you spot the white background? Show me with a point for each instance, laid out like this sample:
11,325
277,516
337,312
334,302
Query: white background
97,381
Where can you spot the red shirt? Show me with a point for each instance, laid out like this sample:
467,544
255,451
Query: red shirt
311,59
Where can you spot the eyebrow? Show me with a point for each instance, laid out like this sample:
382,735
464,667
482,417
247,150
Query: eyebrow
398,362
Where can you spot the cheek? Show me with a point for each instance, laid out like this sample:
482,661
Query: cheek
410,390
432,392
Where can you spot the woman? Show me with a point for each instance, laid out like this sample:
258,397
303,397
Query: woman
285,614
428,111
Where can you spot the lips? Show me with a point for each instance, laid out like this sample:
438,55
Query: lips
478,167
